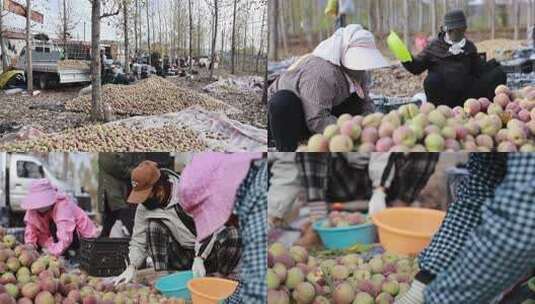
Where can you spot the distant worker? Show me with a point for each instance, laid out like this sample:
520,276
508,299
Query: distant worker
455,70
331,81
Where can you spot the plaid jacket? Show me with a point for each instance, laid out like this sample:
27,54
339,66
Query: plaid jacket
341,177
487,240
251,208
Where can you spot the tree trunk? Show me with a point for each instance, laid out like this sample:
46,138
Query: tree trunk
434,17
97,108
29,69
274,31
126,55
444,7
135,27
233,52
260,49
406,22
371,25
148,31
214,39
493,19
3,52
528,19
283,34
420,15
198,33
516,19
160,28
190,35
245,46
64,27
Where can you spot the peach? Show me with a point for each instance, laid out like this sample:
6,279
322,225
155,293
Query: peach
318,143
472,106
369,135
501,99
384,144
341,143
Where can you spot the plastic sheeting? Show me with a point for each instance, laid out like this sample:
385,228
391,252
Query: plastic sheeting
218,131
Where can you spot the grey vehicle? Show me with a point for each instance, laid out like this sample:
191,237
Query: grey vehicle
47,67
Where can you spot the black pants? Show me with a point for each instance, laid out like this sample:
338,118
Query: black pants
126,215
75,244
483,86
287,124
340,21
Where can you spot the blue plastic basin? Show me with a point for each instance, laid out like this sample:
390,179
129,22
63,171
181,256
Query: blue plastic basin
175,285
344,237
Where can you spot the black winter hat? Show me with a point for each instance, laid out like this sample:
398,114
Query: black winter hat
454,19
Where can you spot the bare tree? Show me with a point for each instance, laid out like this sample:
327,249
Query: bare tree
136,15
492,17
3,51
68,21
29,68
214,37
148,32
233,51
190,35
126,3
516,13
434,17
97,108
406,21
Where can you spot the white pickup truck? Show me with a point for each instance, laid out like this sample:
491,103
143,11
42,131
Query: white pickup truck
50,69
17,172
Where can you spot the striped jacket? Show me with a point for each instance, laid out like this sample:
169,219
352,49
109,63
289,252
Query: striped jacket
321,86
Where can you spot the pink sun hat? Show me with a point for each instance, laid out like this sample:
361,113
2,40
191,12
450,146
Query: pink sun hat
42,194
208,187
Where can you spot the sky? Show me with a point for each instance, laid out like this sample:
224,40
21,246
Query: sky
109,29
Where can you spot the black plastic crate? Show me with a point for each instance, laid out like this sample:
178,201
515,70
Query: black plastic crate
519,65
103,257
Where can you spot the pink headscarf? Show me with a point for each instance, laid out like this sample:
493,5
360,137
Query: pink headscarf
208,187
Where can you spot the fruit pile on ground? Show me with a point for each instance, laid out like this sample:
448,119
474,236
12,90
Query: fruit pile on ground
344,219
27,277
505,125
294,276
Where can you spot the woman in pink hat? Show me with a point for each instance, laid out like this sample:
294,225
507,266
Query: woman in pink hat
53,221
191,221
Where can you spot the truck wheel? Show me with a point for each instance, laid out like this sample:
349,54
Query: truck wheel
42,81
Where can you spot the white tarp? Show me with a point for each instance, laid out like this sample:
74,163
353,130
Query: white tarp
236,84
232,136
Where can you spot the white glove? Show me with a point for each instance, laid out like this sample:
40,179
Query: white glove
126,277
377,202
415,294
198,268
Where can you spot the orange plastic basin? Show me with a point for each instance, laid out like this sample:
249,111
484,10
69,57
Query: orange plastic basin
210,290
407,230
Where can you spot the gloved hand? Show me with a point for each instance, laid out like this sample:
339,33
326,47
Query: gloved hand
126,277
377,202
415,294
198,268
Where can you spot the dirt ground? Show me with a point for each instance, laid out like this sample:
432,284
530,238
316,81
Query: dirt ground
44,111
47,112
435,193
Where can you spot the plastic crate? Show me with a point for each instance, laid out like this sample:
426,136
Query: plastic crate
103,257
519,65
17,232
387,104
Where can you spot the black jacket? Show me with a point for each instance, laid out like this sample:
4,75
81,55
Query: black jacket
457,71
